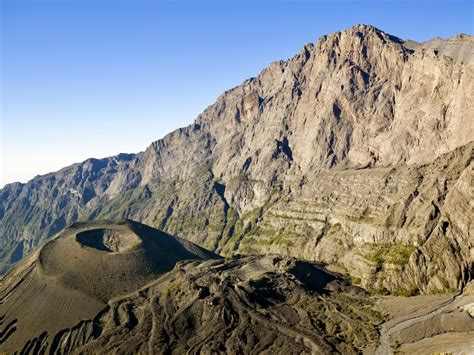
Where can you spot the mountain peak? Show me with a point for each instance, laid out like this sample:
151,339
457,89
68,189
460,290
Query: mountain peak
363,32
324,126
365,28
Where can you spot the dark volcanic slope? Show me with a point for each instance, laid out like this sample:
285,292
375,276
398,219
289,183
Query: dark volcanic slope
356,152
72,277
246,305
272,304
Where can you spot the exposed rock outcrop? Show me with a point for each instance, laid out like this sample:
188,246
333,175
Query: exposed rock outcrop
356,152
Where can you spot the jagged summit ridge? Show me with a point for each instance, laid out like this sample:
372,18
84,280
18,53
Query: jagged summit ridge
363,32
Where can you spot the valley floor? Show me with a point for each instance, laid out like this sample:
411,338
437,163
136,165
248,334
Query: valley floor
428,324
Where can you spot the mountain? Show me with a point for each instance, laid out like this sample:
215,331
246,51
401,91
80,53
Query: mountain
357,152
107,286
121,286
73,276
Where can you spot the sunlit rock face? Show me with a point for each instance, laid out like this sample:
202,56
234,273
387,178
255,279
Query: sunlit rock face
356,152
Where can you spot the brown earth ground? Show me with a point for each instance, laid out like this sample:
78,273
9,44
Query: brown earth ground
428,324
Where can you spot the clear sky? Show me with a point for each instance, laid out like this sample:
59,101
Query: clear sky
93,78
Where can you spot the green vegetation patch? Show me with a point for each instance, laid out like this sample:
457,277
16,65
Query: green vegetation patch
309,219
409,292
262,236
356,280
397,254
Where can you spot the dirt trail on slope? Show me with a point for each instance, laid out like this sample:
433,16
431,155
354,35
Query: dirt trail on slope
438,323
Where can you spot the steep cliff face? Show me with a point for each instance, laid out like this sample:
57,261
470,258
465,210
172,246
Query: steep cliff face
390,228
355,152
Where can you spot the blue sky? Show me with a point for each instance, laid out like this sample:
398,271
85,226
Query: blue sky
84,78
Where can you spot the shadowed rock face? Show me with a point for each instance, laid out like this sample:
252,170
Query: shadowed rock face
356,152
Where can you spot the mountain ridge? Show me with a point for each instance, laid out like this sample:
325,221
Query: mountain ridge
359,99
462,36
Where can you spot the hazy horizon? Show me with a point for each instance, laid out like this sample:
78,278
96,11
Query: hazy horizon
89,79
